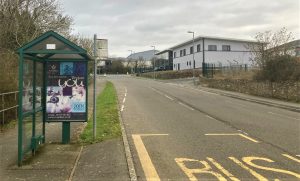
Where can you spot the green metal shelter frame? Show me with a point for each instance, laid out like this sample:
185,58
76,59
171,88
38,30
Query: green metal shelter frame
33,59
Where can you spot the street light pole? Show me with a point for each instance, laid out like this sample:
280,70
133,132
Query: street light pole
193,56
153,61
94,95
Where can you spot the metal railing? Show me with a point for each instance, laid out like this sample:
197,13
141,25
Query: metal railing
3,106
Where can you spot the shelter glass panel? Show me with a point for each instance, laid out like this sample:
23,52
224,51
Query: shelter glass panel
39,123
27,86
39,84
27,132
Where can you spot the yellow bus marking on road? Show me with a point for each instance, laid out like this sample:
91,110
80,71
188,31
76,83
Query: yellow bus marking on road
255,174
190,172
247,137
222,169
291,157
249,160
233,134
147,165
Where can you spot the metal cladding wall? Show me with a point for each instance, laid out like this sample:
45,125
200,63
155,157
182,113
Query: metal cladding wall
238,53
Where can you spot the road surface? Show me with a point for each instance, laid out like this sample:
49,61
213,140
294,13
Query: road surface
179,133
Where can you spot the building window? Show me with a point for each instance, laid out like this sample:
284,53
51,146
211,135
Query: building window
181,53
184,52
212,47
198,48
191,50
190,63
174,54
225,47
174,66
187,63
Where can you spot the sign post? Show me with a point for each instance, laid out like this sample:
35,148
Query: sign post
66,132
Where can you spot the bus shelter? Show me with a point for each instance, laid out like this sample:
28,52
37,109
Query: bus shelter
52,88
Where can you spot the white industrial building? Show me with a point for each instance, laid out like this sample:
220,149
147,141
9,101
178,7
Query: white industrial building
216,50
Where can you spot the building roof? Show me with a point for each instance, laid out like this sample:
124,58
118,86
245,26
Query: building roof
206,37
146,55
293,44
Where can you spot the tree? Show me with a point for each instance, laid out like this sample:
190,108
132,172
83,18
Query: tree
272,58
21,21
25,20
117,67
269,45
141,64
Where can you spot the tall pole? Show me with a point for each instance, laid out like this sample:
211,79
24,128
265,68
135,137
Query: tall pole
203,60
94,98
130,61
153,61
193,56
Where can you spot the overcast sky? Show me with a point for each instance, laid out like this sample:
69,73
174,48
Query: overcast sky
138,24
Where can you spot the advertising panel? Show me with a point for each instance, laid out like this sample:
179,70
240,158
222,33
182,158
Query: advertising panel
66,96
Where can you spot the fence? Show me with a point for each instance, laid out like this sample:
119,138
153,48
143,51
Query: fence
209,69
9,105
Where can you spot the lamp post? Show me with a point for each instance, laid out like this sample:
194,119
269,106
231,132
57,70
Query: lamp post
193,56
94,95
153,61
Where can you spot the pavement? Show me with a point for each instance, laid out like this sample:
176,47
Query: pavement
55,161
179,132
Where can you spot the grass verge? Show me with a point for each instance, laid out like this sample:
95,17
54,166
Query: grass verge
108,125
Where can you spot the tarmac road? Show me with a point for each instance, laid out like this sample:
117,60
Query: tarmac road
178,133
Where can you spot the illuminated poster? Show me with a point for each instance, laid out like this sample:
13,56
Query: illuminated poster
66,91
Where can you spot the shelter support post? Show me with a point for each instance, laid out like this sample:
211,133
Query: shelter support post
65,133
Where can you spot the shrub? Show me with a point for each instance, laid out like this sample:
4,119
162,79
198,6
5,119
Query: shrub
280,68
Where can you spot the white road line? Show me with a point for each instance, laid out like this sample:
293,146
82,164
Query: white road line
283,115
233,134
169,97
184,105
124,99
210,117
157,91
242,132
291,157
